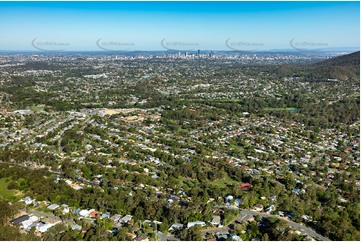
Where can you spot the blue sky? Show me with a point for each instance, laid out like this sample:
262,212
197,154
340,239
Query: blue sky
180,25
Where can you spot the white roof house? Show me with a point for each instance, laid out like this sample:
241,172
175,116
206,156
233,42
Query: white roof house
270,209
29,221
28,200
191,224
34,218
44,228
105,215
66,210
26,223
84,213
53,206
126,219
216,220
115,217
228,198
175,227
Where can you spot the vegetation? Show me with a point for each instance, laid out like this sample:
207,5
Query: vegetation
168,143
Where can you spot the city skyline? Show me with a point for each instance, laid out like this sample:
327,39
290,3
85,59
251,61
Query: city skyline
180,26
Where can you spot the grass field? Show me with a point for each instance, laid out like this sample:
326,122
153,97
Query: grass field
37,108
4,192
222,183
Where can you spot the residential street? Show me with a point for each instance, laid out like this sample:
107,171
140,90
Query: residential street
300,227
246,214
45,216
164,237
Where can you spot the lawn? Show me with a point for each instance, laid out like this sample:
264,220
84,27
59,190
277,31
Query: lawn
222,183
4,192
37,108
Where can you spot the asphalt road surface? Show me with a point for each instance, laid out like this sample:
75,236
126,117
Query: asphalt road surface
246,214
164,237
297,226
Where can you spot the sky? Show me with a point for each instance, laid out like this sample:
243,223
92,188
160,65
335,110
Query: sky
182,26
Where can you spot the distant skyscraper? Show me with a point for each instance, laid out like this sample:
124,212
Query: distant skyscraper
198,52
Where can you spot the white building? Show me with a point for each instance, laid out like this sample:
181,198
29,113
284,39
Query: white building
85,213
191,224
216,221
175,227
25,224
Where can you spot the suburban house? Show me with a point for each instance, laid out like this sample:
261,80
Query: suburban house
25,224
66,208
76,211
84,213
53,206
270,209
237,202
222,237
20,219
245,186
175,227
234,237
228,200
105,215
126,219
115,218
131,236
42,228
28,200
141,238
216,221
258,207
93,214
33,225
191,224
76,227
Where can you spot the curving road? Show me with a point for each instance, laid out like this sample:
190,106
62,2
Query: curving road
300,227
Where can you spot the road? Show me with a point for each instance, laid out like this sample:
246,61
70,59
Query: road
223,230
246,214
164,237
46,216
300,227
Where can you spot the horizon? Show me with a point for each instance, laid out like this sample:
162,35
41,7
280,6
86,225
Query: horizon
179,26
282,51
